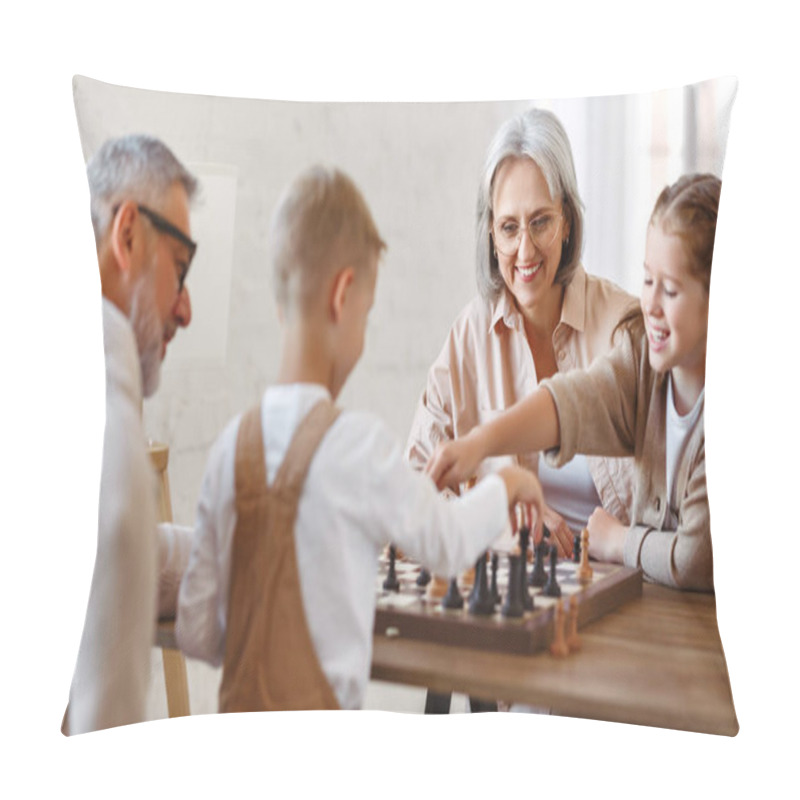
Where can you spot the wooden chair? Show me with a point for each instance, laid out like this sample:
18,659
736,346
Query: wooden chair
174,662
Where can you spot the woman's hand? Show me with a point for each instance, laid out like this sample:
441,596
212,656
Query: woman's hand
453,463
606,536
560,533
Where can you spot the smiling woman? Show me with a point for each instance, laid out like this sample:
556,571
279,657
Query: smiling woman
525,233
538,312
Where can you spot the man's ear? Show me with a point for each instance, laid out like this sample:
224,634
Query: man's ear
123,236
341,286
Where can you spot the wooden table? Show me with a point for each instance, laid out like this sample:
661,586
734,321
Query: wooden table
656,661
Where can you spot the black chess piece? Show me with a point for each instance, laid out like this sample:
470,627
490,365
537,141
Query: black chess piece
481,602
552,589
424,577
513,605
391,583
539,576
453,598
474,590
524,538
527,600
545,531
495,592
576,548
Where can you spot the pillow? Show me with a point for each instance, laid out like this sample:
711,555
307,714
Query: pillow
418,165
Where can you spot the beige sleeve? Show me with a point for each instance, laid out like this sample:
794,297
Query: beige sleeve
681,558
596,407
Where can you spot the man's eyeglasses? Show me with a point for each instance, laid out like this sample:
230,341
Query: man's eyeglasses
164,226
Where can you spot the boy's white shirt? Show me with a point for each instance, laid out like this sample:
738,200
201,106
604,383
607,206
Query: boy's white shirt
359,495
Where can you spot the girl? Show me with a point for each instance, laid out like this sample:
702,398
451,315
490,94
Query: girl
644,399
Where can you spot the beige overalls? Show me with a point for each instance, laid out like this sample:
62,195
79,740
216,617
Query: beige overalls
270,662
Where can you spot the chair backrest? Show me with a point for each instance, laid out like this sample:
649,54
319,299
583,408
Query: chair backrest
159,455
174,663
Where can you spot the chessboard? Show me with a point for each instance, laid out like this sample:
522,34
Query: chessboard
410,612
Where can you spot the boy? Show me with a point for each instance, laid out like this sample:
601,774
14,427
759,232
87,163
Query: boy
299,499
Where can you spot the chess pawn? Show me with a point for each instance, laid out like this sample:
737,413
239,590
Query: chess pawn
573,640
584,572
558,647
453,598
437,588
424,577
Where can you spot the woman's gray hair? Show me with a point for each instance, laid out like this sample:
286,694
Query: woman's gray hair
536,134
136,167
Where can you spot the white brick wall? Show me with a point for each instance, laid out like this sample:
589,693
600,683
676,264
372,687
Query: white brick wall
418,166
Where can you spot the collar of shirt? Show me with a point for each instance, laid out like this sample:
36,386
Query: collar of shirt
290,392
573,308
688,420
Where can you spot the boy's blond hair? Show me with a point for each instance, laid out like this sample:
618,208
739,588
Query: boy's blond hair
322,224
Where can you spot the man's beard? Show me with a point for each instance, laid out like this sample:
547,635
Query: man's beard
148,330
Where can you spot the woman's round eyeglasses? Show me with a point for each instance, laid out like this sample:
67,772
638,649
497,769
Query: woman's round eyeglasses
543,229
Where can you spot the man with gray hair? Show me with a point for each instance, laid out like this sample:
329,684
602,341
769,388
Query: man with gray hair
140,196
